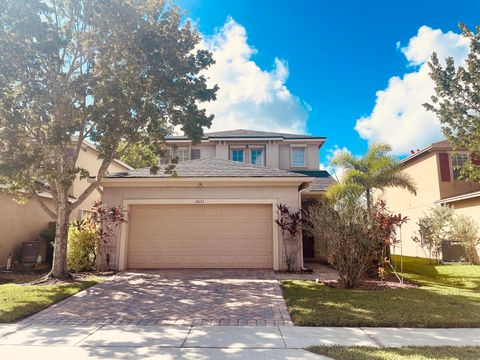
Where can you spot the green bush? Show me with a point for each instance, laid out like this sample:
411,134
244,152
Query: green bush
81,248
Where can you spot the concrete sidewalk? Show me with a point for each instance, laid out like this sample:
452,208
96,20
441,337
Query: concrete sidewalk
207,342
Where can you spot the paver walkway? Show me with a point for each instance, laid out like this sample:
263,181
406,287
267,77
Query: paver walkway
19,341
180,297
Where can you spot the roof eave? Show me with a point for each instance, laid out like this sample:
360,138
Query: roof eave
297,180
451,199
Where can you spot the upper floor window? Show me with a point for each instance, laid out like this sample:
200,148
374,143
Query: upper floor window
237,155
256,156
195,154
298,156
183,154
458,160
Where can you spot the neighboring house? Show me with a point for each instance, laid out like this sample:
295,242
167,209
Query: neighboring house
436,172
23,222
218,209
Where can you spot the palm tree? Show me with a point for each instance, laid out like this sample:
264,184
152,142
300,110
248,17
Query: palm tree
377,169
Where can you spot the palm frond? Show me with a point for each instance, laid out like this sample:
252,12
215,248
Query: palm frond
344,159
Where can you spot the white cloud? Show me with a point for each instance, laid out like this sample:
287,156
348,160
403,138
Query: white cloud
398,116
250,97
336,172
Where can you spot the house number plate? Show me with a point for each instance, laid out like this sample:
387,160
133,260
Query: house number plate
199,201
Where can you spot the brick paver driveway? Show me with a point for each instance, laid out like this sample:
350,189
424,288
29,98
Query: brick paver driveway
186,297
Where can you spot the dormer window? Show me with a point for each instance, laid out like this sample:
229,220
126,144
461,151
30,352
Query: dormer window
237,155
458,161
298,156
183,154
256,156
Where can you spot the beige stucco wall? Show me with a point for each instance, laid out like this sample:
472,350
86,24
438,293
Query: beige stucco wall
206,150
312,157
456,187
271,155
424,171
313,162
284,157
23,222
469,207
430,189
221,151
114,196
88,159
19,223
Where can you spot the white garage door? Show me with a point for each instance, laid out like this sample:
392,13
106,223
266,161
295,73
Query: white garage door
200,236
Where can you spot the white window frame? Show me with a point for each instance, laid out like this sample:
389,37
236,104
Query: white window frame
186,151
452,166
242,149
199,153
295,147
262,157
82,213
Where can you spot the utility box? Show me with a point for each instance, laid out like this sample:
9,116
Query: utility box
453,252
31,250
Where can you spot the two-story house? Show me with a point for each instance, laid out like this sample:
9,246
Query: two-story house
436,172
218,208
23,222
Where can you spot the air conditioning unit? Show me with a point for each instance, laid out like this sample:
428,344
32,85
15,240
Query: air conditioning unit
32,249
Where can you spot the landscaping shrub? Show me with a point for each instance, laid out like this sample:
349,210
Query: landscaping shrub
353,234
442,224
433,229
464,231
81,249
291,225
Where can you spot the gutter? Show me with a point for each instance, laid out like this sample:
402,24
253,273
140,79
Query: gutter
467,196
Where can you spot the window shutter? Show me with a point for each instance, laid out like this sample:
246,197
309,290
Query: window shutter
195,154
475,161
444,166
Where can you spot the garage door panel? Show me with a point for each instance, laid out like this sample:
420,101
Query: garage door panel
169,236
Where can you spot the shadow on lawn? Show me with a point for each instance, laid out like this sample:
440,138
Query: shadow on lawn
313,304
370,353
20,301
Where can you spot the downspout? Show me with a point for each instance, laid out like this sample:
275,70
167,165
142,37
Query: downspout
302,188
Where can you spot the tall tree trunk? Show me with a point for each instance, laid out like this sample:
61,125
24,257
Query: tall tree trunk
475,259
368,194
59,265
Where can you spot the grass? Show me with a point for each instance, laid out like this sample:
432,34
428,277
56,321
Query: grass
403,353
19,300
448,296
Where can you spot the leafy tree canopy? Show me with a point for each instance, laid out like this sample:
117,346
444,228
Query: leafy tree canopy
138,155
108,71
457,102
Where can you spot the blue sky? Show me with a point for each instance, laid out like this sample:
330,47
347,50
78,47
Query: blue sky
333,57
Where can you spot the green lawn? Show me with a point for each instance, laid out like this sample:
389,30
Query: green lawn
403,353
449,296
18,301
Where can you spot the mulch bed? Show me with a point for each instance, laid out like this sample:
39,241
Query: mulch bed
391,282
33,277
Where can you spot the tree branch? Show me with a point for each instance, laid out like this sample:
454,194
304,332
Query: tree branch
44,206
100,175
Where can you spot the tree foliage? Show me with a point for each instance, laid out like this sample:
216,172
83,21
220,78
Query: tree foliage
354,237
441,224
456,102
108,71
291,223
138,155
434,229
377,169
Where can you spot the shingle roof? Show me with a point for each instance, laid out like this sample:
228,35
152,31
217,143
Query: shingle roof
242,133
322,179
209,168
